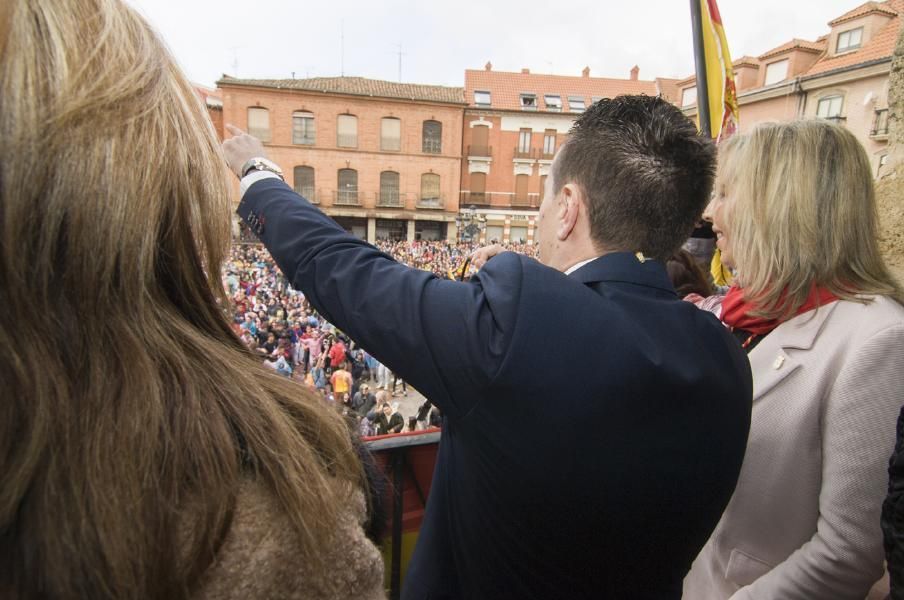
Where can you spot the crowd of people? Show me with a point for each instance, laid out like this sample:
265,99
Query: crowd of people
154,445
276,322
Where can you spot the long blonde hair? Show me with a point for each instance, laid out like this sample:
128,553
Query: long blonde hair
130,413
801,210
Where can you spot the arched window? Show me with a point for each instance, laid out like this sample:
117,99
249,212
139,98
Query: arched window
430,194
347,131
432,138
259,123
347,190
390,134
303,182
303,127
389,189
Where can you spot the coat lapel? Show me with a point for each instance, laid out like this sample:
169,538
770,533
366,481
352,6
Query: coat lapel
771,362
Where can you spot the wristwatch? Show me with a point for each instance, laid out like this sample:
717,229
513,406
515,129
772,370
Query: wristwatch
259,163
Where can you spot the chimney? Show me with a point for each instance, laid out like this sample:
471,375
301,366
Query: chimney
488,66
635,72
586,72
525,71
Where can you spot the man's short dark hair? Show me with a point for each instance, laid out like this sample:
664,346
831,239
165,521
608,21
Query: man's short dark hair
646,172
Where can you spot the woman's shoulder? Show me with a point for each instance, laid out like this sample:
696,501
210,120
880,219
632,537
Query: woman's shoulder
261,557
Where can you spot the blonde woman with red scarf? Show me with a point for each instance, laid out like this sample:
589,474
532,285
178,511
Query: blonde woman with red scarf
822,320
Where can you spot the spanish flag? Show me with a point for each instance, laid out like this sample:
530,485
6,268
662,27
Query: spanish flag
720,82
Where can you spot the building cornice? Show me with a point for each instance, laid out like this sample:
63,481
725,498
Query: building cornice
873,68
224,85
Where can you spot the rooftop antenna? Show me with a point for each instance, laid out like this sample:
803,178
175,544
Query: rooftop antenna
235,60
401,54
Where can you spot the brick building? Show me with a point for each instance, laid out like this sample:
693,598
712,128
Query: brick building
214,104
512,126
842,76
382,158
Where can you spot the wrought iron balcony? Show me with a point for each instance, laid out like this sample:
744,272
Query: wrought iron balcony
525,153
480,151
346,198
434,202
390,199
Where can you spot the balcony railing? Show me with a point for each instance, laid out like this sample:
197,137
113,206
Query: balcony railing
547,155
880,124
435,202
476,198
309,194
432,146
525,153
480,151
346,198
390,199
527,201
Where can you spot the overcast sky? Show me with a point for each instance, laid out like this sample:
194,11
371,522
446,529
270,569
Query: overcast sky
439,40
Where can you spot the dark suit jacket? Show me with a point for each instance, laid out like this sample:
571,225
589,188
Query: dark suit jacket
594,423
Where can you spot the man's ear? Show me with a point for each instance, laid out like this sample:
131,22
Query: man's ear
570,202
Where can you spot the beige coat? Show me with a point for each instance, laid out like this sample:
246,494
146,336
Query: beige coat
260,558
804,519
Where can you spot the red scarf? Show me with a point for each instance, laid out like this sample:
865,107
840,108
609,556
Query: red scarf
736,311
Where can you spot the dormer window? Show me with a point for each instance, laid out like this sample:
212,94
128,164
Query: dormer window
553,102
777,71
688,96
481,98
576,104
528,101
849,40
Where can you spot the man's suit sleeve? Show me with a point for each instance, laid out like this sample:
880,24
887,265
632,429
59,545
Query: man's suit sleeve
446,338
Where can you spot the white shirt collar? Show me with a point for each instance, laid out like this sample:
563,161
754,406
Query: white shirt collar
577,266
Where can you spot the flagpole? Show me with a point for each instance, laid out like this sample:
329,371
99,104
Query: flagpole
700,62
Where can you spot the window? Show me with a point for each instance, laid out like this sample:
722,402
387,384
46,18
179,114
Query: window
882,161
478,183
259,123
549,142
880,124
430,190
347,131
303,182
481,98
347,191
553,103
689,96
595,99
830,107
528,102
576,104
390,134
777,71
303,128
389,189
432,138
521,189
849,40
542,187
480,136
524,141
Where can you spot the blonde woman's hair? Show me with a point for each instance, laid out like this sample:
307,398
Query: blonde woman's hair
801,211
130,413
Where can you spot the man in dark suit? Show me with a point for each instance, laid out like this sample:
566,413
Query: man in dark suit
594,423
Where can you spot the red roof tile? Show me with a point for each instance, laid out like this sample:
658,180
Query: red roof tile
880,46
505,88
863,10
358,86
795,44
